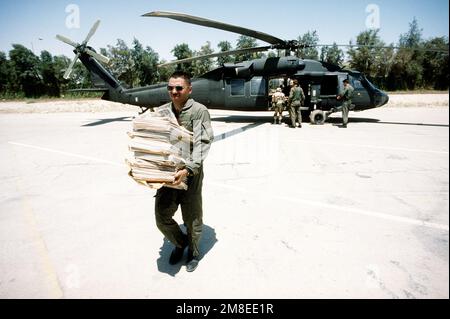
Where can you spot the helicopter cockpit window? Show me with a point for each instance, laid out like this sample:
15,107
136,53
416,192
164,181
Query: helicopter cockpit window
237,87
357,84
258,86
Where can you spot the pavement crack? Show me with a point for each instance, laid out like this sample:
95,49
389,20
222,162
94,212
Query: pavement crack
421,289
380,283
286,244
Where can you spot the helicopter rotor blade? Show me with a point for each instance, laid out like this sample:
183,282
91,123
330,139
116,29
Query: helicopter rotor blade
70,68
382,47
98,56
214,55
217,25
66,40
92,31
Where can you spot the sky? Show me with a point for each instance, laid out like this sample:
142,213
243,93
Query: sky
34,23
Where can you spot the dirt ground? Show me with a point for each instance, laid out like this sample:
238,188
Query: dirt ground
97,105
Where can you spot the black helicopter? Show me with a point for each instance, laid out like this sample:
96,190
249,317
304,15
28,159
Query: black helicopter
238,86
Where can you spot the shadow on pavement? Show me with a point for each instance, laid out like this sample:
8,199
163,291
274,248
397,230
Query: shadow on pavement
236,131
243,119
207,241
338,120
106,121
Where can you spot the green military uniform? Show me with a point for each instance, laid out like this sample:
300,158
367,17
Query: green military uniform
346,103
296,98
194,117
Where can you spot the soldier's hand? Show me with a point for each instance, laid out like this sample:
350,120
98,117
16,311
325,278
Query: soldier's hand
180,176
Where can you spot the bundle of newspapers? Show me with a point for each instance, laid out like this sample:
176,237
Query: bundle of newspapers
160,147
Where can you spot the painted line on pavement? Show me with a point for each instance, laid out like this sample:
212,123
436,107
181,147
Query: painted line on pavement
378,147
406,220
49,272
89,158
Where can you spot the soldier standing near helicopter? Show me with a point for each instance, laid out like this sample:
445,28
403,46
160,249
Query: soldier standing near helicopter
346,97
278,99
296,97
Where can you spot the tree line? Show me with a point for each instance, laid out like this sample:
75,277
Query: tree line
24,74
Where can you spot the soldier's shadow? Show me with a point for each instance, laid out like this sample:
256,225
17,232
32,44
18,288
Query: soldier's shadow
207,241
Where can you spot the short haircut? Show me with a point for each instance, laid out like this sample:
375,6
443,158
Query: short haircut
182,74
295,82
345,81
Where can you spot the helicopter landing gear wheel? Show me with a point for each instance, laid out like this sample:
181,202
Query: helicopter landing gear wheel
318,117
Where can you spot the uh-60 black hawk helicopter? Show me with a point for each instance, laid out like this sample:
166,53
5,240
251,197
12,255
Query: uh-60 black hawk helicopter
239,86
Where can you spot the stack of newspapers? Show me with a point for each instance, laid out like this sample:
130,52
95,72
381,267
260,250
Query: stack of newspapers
160,147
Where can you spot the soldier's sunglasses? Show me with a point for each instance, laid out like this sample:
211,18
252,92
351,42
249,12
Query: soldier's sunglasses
179,88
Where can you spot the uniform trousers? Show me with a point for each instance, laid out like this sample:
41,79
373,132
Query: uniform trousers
167,201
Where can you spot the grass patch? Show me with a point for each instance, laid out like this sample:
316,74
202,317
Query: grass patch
64,97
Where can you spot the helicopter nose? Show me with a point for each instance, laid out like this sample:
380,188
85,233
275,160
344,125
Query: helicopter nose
381,99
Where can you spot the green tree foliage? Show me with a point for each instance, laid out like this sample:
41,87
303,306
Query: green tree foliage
407,70
60,64
435,64
204,65
413,38
165,72
371,57
223,47
51,84
182,51
25,74
363,58
332,55
5,74
145,64
121,63
310,39
245,42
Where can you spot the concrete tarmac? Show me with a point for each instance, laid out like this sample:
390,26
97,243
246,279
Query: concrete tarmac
317,212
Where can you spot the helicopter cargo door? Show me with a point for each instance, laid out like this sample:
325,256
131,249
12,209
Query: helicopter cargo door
258,92
328,90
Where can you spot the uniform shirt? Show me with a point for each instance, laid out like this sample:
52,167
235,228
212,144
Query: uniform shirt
296,94
195,118
348,93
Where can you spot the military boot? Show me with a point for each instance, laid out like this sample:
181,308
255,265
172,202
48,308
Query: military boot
192,262
177,252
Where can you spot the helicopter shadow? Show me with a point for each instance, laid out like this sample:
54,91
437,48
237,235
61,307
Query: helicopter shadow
110,120
338,120
234,132
207,241
243,119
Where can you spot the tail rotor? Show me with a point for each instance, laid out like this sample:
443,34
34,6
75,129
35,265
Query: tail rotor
82,48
